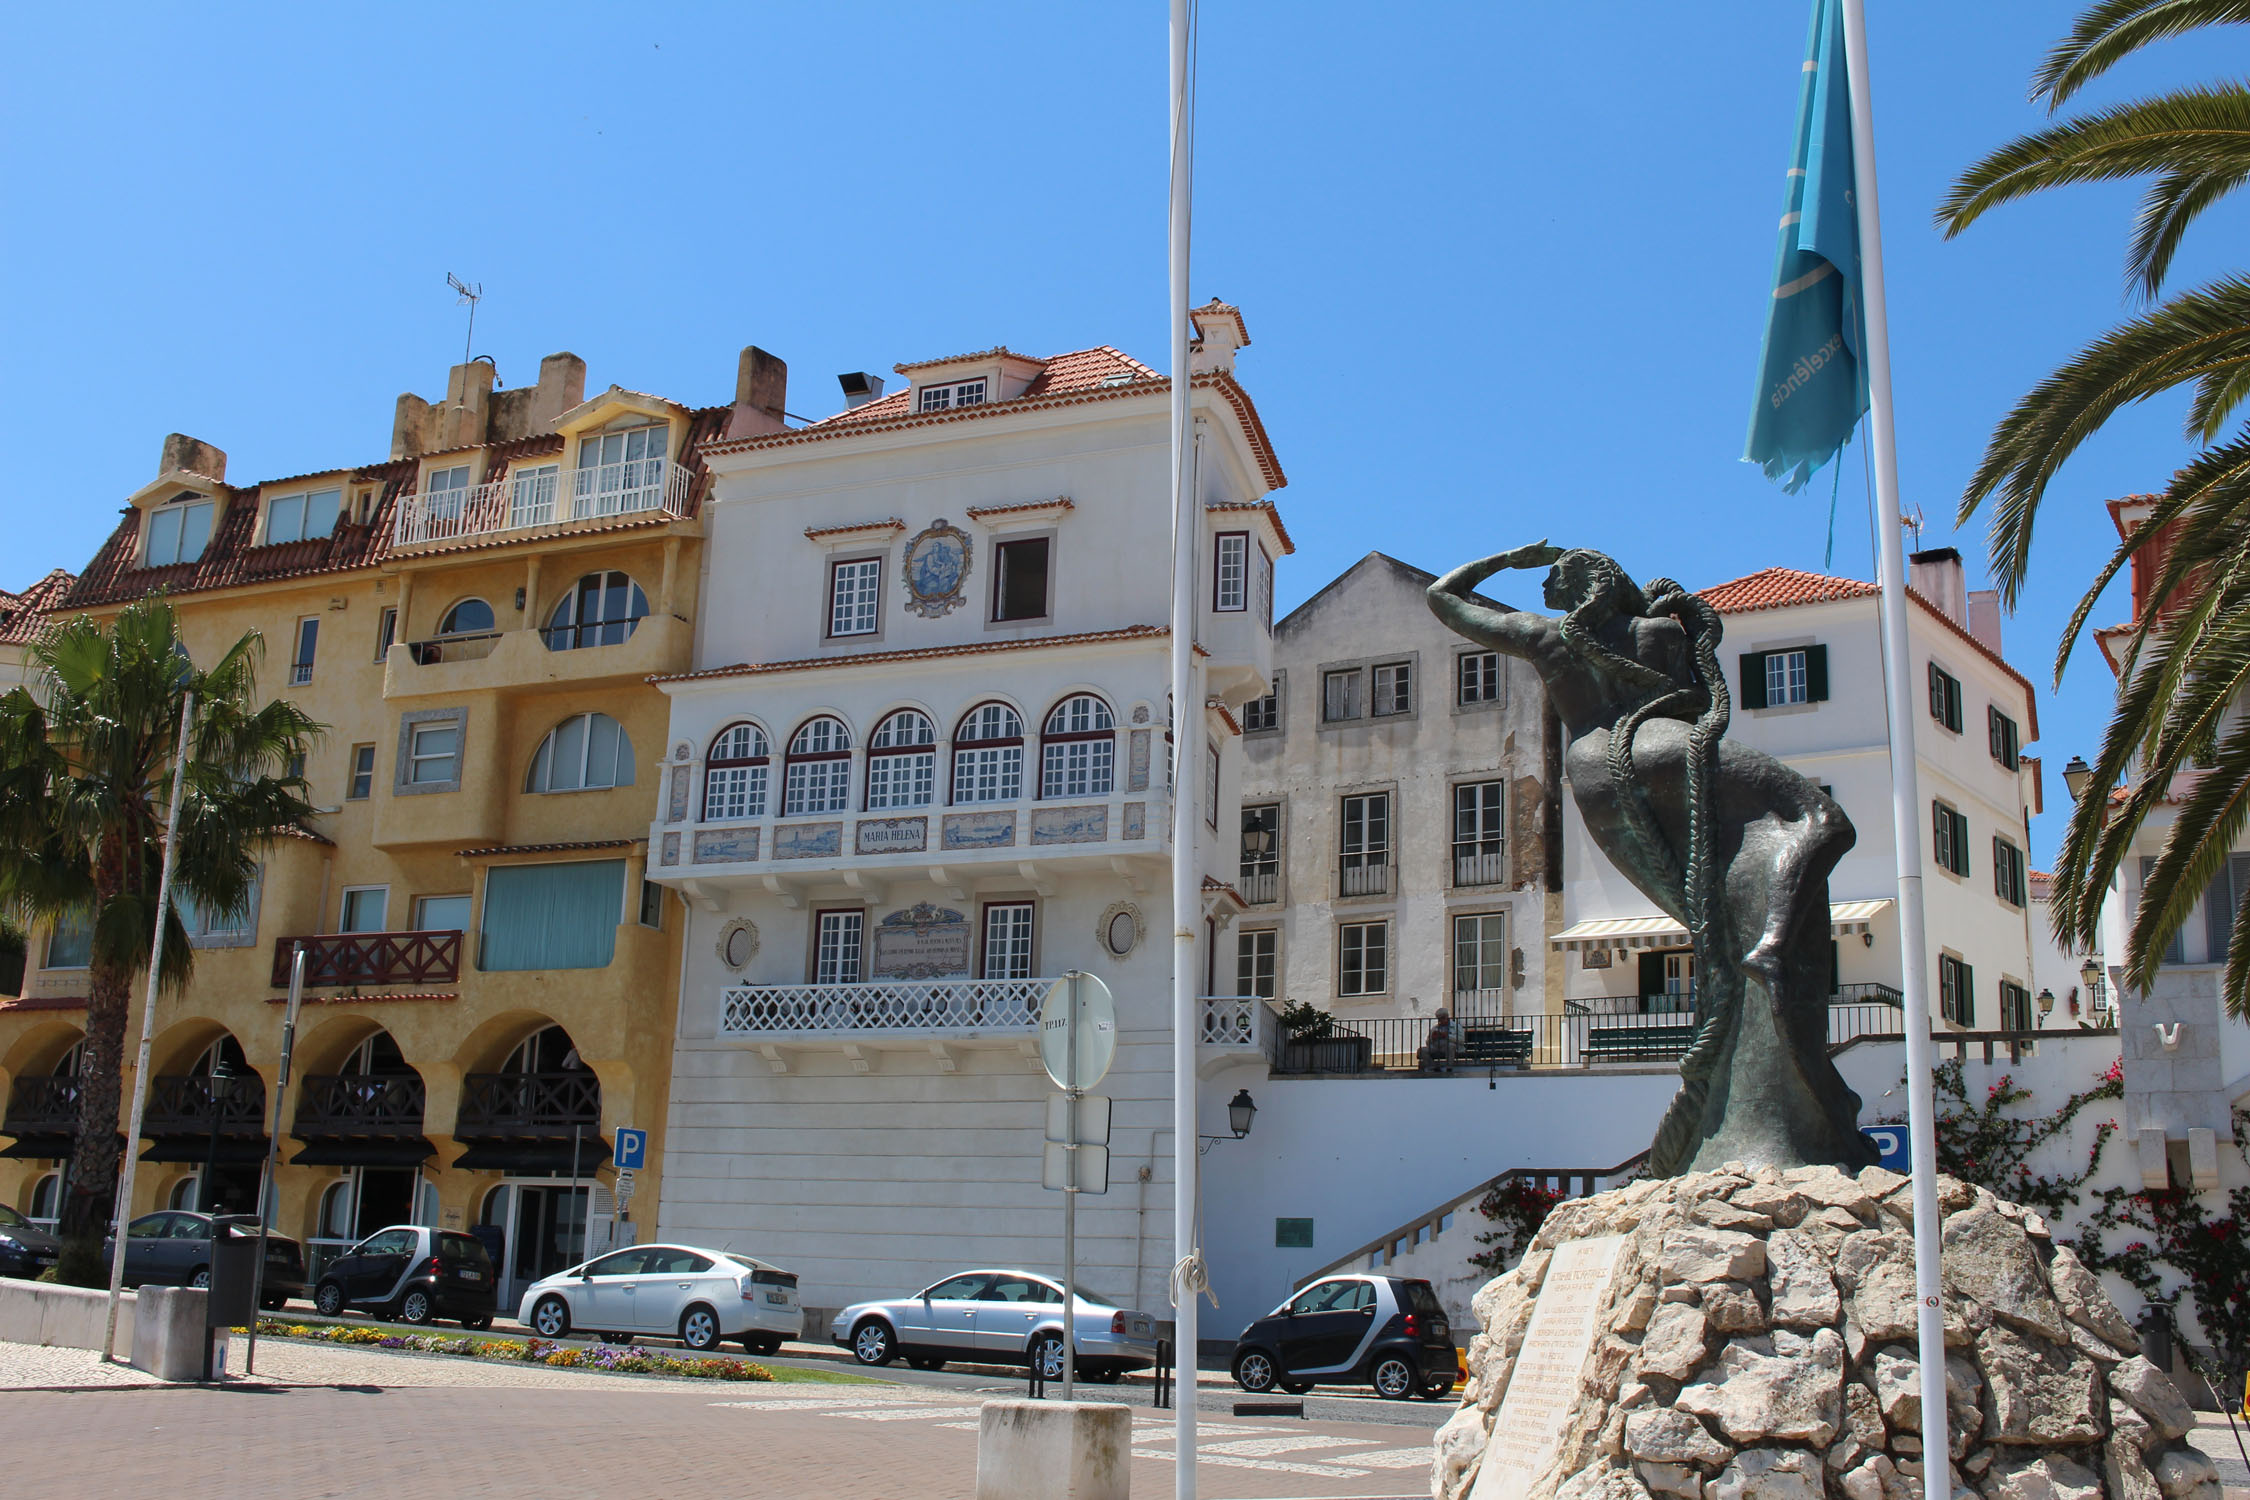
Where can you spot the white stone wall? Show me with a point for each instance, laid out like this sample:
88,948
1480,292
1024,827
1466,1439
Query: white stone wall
1375,612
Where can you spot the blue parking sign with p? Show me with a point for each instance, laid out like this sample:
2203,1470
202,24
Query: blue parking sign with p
632,1149
1890,1142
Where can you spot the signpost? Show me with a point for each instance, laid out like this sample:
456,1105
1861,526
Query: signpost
630,1156
1077,1043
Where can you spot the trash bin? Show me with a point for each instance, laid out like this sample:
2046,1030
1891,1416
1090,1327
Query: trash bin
235,1245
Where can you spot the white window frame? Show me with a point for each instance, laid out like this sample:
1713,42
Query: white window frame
902,762
1078,749
1352,951
1394,690
621,762
359,785
531,495
839,945
1009,927
1339,689
1257,957
173,548
817,772
1476,678
989,767
1474,946
289,517
855,597
1230,572
951,394
417,758
344,906
445,494
1787,677
386,631
734,786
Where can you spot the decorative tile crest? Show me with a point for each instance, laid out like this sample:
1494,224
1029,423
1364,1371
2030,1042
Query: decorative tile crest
937,569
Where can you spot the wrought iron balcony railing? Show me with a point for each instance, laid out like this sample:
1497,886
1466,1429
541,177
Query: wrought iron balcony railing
917,1005
360,1104
333,958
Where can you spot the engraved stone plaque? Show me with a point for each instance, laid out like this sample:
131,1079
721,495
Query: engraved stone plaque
922,942
1544,1390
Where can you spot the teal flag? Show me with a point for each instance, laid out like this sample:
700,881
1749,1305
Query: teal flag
1811,385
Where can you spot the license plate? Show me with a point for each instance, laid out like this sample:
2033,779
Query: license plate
778,1299
472,1275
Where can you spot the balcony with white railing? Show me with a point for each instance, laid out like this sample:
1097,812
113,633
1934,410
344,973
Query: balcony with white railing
1479,864
1364,875
1260,887
912,1013
544,499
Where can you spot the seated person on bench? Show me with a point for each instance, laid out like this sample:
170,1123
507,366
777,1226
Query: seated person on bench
1443,1049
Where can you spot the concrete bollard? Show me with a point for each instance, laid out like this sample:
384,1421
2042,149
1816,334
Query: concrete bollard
1054,1450
168,1332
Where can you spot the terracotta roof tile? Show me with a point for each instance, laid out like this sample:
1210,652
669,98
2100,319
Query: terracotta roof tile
544,848
997,351
364,997
1272,513
922,653
42,1002
21,617
1058,504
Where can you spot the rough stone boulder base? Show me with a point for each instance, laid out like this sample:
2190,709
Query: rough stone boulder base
2046,1477
2150,1392
1876,1269
2084,1303
2185,1474
1804,1293
1789,1388
2037,1393
1988,1260
1694,1255
1673,1347
1674,1438
1769,1474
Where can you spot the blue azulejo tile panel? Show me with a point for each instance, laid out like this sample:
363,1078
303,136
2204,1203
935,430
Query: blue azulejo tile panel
671,849
1136,820
1069,825
808,841
676,809
721,846
891,835
980,830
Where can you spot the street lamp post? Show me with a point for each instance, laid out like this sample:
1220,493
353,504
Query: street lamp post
220,1076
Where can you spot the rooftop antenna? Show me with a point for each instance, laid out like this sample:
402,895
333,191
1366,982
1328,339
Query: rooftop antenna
1912,521
471,294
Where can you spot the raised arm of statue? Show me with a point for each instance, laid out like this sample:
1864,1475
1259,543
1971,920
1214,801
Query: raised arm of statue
1516,632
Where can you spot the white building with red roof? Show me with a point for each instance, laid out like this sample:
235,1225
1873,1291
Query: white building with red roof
1804,657
918,771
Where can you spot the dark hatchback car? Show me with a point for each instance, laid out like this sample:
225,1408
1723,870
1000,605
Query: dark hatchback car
414,1274
173,1248
1388,1331
25,1248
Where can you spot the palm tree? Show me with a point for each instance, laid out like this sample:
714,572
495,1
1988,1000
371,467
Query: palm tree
85,780
2189,658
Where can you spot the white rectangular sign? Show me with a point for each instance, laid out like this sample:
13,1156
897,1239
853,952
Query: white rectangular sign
1093,1118
1093,1168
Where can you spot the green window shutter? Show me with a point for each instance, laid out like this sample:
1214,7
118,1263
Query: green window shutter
1816,674
1753,679
552,916
1937,693
1968,995
1941,835
1961,844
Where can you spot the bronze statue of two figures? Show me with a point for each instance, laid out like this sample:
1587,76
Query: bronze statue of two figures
1725,839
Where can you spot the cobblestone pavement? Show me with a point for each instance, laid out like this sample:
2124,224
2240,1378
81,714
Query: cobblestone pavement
324,1421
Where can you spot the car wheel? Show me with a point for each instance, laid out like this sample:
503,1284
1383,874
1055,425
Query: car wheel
1437,1388
1047,1356
550,1319
1106,1374
699,1329
415,1306
328,1299
1393,1378
477,1325
201,1278
924,1362
762,1343
1254,1371
1295,1387
273,1304
873,1343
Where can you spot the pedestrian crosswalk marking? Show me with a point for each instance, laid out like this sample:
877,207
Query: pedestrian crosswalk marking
1291,1442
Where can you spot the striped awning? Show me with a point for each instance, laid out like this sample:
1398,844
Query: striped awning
1659,931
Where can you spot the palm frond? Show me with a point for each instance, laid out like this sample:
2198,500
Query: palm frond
2107,33
2194,853
2170,207
2188,338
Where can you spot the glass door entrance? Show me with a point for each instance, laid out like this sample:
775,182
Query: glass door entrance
543,1230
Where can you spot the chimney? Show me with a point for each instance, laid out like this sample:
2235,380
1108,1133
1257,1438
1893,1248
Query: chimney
761,390
530,410
1936,575
191,455
1984,618
461,420
1219,331
860,388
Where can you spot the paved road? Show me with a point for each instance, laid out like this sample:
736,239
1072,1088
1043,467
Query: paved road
336,1422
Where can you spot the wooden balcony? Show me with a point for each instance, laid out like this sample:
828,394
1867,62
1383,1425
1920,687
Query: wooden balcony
42,1107
338,958
361,1105
190,1104
523,1106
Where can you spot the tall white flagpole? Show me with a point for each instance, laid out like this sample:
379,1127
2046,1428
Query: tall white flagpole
1187,767
1906,797
122,1213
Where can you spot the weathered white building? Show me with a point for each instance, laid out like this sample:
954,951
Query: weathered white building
1804,655
919,771
1400,830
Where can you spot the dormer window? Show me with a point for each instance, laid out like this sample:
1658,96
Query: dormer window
178,531
447,492
292,518
946,397
620,472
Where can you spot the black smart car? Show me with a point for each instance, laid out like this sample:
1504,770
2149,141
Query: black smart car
1388,1331
414,1274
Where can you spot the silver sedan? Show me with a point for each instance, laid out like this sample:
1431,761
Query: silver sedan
998,1317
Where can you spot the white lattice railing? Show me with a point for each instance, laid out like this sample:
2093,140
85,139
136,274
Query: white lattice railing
1231,1020
896,1006
540,497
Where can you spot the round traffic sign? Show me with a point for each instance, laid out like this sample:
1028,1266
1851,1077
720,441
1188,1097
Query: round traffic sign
1094,1027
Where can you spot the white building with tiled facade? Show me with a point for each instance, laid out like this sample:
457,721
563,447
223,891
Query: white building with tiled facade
1804,657
918,772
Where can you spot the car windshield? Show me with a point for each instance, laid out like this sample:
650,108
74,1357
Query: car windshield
1422,1298
1088,1294
10,1219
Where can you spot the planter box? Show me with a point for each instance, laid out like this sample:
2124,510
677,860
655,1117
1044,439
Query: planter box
1337,1054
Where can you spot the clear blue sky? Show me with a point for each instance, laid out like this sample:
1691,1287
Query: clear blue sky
1504,265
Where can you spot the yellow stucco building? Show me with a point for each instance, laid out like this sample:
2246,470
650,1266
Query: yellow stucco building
491,982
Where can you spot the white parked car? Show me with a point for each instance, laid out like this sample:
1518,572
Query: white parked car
699,1297
997,1317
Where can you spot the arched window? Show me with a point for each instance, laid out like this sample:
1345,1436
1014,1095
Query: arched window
187,1192
1078,751
988,755
469,617
818,777
734,776
46,1200
584,751
335,1222
902,761
601,610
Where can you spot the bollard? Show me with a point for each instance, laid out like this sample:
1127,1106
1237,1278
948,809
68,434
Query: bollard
1164,1375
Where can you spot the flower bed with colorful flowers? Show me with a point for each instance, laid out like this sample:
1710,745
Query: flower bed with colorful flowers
624,1359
